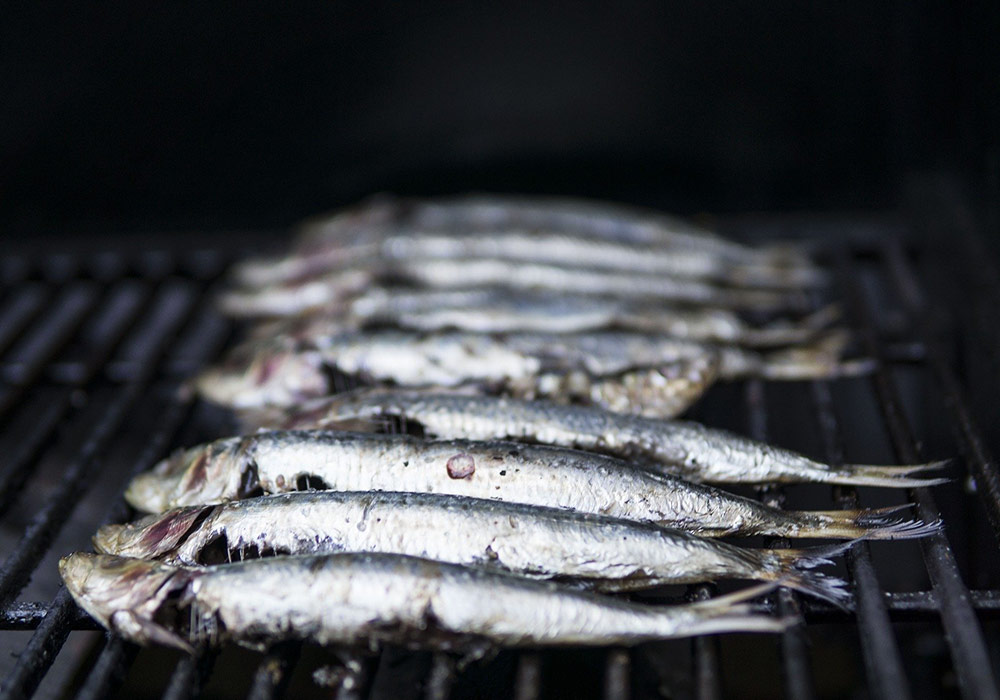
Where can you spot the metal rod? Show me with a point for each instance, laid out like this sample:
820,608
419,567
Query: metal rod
971,661
879,649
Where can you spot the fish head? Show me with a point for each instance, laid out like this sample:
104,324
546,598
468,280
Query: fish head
219,471
151,537
126,595
278,376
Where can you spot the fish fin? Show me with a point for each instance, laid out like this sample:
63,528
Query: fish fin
793,566
142,630
887,476
252,420
786,332
728,613
865,523
823,359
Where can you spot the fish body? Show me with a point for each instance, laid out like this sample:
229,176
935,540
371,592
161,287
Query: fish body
282,461
368,600
315,293
602,552
681,448
496,310
650,374
563,250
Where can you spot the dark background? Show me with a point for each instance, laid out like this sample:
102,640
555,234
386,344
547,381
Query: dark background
136,116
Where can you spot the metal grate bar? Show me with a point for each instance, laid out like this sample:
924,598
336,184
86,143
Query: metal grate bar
273,673
189,676
968,649
109,669
967,433
441,677
880,651
616,675
794,655
41,650
528,681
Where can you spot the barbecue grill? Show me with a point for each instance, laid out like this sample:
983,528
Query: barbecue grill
94,347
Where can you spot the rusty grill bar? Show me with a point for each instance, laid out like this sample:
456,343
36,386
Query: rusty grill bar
93,350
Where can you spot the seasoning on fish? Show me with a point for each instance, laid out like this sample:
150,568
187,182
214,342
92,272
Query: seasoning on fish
280,461
296,367
605,553
373,599
689,450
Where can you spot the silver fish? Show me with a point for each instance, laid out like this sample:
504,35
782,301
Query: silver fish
536,246
681,448
281,461
599,220
613,370
316,293
371,599
604,553
494,310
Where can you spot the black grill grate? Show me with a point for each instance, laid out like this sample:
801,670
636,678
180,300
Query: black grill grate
93,349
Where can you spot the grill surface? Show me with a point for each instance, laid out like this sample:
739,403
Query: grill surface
94,347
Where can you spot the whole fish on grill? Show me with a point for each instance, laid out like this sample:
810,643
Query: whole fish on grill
498,310
531,246
373,599
458,225
681,448
650,374
604,553
316,293
280,461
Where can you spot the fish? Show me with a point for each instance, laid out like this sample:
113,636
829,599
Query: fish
374,599
650,374
496,310
686,449
281,461
564,250
316,293
601,552
599,220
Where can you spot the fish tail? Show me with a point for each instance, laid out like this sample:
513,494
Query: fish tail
793,332
891,477
729,613
821,360
792,567
866,523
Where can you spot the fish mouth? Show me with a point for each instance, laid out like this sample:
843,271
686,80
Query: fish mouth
126,595
204,475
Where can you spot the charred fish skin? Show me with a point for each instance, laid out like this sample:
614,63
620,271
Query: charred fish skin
281,461
604,553
355,600
681,448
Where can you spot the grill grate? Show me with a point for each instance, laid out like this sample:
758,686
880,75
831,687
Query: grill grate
93,349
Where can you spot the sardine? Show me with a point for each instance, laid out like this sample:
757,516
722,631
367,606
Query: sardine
604,553
599,220
516,245
681,448
373,599
591,367
504,311
280,461
315,293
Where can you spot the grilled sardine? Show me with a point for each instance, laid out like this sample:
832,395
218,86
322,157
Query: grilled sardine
279,461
